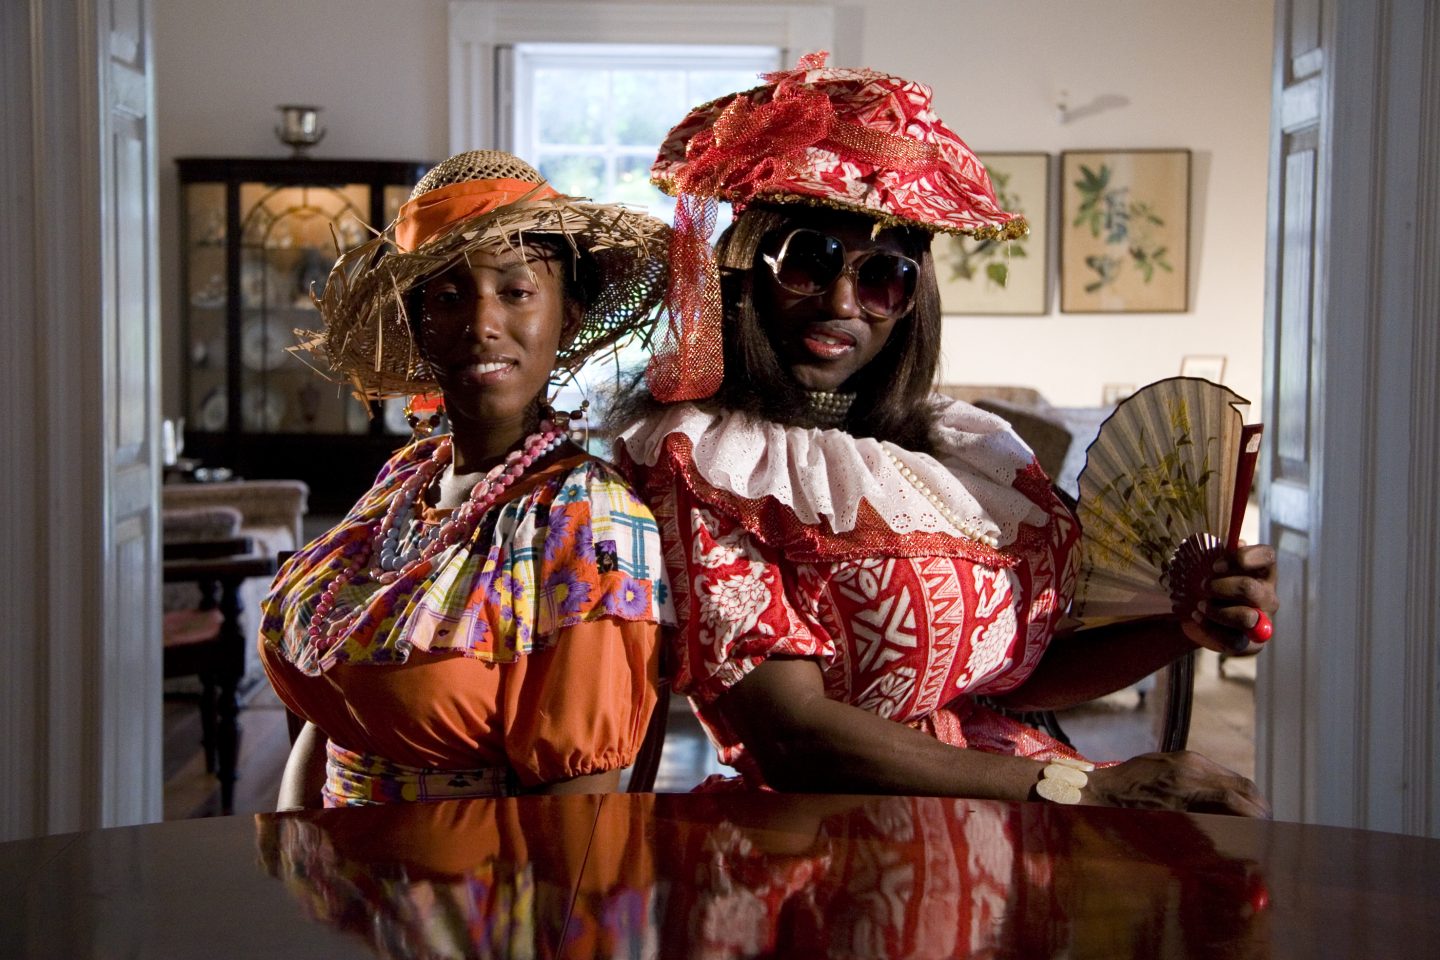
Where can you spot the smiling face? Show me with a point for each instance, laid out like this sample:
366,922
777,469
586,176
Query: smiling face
491,327
825,339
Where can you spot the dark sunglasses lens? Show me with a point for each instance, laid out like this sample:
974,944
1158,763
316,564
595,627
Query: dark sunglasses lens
885,284
810,263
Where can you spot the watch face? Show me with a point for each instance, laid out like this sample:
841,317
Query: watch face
263,343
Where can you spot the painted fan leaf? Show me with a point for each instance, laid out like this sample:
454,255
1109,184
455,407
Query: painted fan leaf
1156,498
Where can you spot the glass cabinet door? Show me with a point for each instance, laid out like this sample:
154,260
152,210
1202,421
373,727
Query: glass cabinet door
206,301
288,242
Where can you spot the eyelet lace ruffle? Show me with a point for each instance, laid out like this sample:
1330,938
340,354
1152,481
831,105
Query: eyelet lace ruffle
827,473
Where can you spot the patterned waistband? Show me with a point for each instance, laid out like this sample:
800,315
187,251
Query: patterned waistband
363,779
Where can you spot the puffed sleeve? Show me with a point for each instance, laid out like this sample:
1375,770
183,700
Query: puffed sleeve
735,609
581,705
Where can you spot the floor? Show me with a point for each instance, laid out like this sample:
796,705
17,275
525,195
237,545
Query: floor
1117,726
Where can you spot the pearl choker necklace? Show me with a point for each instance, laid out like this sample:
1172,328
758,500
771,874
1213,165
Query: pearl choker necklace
392,563
827,409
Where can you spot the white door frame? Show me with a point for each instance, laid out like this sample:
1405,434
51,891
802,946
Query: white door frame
81,661
1348,732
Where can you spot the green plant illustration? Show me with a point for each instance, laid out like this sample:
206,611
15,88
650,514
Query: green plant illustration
1108,210
967,258
1146,513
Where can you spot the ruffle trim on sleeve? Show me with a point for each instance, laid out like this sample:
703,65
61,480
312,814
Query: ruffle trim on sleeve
823,495
574,547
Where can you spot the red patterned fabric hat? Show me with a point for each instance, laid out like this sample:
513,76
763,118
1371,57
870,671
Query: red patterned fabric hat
856,139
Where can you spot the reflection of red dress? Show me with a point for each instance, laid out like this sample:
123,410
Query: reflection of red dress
898,877
783,541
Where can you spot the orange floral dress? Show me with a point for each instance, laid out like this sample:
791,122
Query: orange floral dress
526,655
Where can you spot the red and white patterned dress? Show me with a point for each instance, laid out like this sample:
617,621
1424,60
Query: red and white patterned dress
917,582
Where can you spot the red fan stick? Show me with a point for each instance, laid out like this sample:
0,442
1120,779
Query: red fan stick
1244,475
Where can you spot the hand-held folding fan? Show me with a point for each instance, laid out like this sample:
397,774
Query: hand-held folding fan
1161,499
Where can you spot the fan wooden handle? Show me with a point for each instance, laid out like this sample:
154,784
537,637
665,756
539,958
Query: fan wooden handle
1244,475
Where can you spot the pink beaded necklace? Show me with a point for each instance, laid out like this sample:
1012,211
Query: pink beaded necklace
384,542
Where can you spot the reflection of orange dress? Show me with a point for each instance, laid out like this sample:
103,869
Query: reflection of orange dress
538,877
529,652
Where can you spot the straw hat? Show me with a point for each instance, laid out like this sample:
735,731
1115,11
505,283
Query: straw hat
474,200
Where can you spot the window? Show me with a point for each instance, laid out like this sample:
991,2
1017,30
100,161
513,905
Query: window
591,118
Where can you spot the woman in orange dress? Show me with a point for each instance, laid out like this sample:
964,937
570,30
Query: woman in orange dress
862,570
484,621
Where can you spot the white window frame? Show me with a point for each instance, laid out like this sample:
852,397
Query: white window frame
526,58
481,32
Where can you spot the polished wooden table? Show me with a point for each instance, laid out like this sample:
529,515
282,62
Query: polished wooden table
740,875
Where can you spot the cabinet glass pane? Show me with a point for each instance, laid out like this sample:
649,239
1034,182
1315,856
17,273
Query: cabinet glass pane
205,294
394,197
288,239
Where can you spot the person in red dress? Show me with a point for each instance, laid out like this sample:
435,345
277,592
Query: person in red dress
862,571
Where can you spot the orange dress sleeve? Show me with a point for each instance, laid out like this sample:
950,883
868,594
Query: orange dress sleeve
582,705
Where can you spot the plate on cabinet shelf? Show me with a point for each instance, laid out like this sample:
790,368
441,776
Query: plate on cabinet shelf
261,409
211,415
263,343
395,421
211,296
357,415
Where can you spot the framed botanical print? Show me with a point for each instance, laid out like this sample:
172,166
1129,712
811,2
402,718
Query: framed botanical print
999,276
1124,231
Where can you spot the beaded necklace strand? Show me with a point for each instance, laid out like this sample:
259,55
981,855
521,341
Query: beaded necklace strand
383,545
968,531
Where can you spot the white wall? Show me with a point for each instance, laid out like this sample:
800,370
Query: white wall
377,68
1196,75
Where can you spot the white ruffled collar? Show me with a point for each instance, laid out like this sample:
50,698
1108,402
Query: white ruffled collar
826,473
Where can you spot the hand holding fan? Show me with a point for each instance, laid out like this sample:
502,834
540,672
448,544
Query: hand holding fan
1161,499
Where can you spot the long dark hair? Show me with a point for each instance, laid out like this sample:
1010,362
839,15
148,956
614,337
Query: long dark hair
892,391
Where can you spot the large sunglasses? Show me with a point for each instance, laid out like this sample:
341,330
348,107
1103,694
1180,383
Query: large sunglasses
810,262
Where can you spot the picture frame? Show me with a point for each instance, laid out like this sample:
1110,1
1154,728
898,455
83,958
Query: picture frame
997,276
1206,366
1113,393
1125,231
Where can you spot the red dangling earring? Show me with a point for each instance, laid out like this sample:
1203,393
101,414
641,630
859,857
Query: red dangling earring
424,411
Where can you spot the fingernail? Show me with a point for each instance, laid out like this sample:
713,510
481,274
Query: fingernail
1195,615
1202,608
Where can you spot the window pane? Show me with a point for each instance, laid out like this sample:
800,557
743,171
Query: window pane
706,85
570,105
578,175
647,103
632,183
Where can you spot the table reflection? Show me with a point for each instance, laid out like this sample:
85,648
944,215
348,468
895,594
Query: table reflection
737,876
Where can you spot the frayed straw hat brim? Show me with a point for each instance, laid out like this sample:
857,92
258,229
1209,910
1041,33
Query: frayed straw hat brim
367,339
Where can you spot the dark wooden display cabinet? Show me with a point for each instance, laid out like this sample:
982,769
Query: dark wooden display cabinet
257,234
